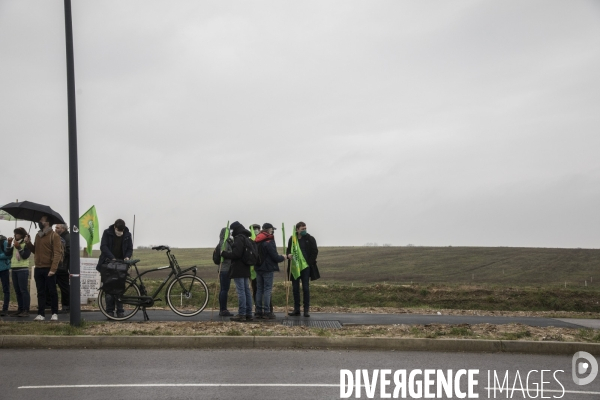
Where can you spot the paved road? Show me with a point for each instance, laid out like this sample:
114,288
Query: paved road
363,319
253,374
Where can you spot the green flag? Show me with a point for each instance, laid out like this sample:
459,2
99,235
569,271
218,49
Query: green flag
298,261
225,241
253,237
4,216
89,228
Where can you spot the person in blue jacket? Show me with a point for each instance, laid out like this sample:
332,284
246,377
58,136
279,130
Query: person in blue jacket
5,257
265,272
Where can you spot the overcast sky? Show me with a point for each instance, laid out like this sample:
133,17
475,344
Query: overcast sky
464,123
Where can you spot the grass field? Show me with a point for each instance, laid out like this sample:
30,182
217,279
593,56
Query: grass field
504,266
475,278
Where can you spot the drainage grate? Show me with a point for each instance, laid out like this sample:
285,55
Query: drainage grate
312,323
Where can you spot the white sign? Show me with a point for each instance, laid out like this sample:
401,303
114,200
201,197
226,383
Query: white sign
89,279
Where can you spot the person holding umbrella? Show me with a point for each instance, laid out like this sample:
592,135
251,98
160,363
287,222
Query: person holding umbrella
48,253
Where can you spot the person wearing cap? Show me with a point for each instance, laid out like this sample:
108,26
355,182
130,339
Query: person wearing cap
20,272
239,271
308,246
265,271
254,231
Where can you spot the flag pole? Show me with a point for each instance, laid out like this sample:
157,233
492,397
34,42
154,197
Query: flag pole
288,283
218,282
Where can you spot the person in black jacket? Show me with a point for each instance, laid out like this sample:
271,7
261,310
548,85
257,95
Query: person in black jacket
116,244
265,271
308,246
239,271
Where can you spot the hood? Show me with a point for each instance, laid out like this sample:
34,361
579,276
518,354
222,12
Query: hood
263,236
222,234
111,230
240,230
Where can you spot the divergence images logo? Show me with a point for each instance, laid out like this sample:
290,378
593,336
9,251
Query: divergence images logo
589,365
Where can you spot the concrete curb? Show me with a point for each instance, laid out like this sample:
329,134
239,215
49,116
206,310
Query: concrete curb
294,342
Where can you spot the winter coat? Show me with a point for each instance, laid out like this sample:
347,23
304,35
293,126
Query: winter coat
228,247
106,245
309,251
47,249
268,250
5,254
238,269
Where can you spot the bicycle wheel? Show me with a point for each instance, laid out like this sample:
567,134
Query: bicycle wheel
187,295
131,289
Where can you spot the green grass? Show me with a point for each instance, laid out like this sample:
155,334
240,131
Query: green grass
509,266
486,278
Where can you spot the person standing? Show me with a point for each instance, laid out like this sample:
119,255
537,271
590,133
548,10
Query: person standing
224,279
48,253
19,266
5,257
266,270
309,249
116,244
62,273
240,272
254,231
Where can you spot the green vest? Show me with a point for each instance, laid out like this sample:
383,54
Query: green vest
18,264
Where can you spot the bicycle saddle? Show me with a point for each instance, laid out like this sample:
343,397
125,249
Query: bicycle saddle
160,248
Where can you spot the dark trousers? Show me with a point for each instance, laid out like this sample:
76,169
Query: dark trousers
5,279
254,287
45,284
305,278
225,284
20,278
62,280
110,304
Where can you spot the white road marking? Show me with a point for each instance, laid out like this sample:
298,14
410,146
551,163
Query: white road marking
127,385
184,385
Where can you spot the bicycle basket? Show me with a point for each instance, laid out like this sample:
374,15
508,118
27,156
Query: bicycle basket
113,275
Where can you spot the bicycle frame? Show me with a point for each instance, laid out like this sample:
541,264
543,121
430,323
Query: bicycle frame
144,299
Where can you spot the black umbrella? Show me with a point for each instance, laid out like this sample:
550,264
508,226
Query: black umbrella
29,211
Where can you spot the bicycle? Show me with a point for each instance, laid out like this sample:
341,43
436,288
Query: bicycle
187,294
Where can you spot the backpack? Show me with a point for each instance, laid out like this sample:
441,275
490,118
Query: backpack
261,258
250,255
217,255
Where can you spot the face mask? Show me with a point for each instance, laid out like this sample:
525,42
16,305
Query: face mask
256,231
118,233
303,233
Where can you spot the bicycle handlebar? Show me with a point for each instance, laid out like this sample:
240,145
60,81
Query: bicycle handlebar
131,261
160,248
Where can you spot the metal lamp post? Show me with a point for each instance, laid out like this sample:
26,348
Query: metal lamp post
74,264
